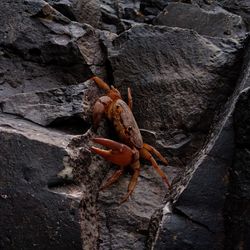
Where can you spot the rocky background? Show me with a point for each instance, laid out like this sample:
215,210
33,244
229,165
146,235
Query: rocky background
188,66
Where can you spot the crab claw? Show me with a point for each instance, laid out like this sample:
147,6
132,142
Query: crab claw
118,153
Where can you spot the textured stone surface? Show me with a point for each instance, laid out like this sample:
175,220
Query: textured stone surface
46,107
152,8
202,21
238,212
125,226
32,217
82,11
216,214
174,76
197,217
240,7
38,43
184,86
196,79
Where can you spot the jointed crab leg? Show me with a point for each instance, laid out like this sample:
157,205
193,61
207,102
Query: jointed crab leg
112,179
130,101
101,84
133,181
99,109
146,155
156,152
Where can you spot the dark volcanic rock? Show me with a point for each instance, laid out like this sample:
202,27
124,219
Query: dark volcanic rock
50,106
125,226
181,78
203,21
239,7
31,215
238,203
38,43
210,208
48,188
83,11
176,75
151,7
120,15
196,220
87,11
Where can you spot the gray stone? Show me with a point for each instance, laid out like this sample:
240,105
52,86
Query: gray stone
44,48
49,186
239,7
203,21
54,105
238,201
177,78
183,82
196,220
125,226
118,16
151,7
216,213
88,12
32,216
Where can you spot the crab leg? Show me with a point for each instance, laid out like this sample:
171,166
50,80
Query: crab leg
156,152
100,83
112,179
133,181
99,110
118,153
130,100
146,155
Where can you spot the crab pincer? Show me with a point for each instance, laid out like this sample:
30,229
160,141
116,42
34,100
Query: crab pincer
118,153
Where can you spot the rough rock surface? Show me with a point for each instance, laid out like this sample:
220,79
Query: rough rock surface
46,107
203,21
238,212
186,77
30,214
179,98
37,43
212,200
239,7
196,220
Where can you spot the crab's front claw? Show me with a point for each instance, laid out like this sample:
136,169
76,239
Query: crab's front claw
118,153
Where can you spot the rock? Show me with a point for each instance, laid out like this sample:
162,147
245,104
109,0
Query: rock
150,7
45,47
65,7
215,215
181,69
125,226
238,200
184,87
51,106
239,7
49,186
203,21
121,15
32,216
88,12
197,217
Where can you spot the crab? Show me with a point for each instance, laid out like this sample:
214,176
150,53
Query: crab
131,148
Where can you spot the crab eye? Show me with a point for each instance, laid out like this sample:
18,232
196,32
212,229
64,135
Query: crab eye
129,128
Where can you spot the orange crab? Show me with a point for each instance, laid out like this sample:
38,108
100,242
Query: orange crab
132,149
